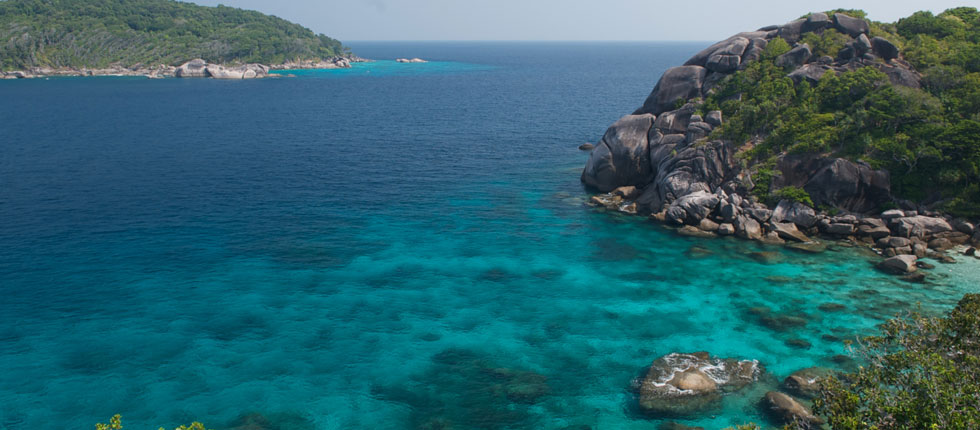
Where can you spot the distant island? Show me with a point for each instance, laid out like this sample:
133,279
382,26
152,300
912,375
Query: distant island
829,125
154,38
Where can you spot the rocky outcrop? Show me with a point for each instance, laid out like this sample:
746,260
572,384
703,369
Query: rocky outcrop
622,156
678,172
788,410
680,384
248,71
677,83
806,383
196,68
411,60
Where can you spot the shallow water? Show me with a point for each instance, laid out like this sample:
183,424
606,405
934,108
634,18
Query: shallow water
380,247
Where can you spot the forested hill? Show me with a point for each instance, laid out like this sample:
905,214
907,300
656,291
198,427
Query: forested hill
99,33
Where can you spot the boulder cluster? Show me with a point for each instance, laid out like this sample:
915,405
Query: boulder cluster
684,385
660,161
199,68
196,68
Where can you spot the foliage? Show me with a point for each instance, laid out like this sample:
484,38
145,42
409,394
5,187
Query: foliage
921,373
826,43
98,33
794,194
115,423
927,138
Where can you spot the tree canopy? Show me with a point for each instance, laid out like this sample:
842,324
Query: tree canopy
97,33
928,138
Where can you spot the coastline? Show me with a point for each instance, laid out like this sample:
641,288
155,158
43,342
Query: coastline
203,69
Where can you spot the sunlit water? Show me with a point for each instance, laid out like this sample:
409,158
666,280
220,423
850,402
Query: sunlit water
392,246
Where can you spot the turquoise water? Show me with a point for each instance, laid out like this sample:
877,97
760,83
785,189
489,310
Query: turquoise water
388,68
385,251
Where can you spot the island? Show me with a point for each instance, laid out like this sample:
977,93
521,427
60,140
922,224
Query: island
155,38
834,126
830,125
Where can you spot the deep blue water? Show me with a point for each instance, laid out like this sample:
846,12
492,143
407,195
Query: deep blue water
393,246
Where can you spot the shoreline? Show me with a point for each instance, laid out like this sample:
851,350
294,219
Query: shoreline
192,68
899,237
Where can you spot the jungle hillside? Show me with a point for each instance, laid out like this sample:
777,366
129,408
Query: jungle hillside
100,33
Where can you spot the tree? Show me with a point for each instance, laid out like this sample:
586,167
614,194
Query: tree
921,373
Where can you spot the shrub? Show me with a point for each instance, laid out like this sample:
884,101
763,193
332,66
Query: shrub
921,373
793,194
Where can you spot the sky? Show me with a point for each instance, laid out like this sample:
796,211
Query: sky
576,20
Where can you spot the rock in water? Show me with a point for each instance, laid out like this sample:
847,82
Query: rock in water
683,384
196,68
899,264
622,156
586,147
806,383
788,410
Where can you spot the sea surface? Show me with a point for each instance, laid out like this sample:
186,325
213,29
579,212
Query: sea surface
394,246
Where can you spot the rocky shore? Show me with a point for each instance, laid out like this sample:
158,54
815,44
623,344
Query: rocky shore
196,68
660,161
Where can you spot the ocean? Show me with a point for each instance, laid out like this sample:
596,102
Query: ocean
394,246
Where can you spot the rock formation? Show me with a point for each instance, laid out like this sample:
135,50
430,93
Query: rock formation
681,175
683,384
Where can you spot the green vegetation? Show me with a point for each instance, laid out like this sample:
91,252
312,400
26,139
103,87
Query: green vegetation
115,423
98,33
928,139
921,373
794,194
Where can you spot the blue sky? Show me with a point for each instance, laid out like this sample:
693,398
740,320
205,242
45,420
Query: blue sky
704,20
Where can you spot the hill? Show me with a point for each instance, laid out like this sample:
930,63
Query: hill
100,33
891,109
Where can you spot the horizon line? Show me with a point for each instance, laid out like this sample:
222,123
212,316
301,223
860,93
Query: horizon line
527,41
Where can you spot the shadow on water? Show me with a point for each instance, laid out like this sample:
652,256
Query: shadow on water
464,389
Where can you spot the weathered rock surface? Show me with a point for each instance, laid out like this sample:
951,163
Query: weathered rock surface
806,383
196,68
622,156
682,83
796,213
851,26
919,226
682,384
835,182
899,264
788,410
796,57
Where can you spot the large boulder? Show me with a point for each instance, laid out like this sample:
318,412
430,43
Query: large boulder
677,83
788,410
796,213
796,57
684,384
919,226
196,68
899,264
788,231
835,182
622,156
809,73
816,21
850,26
247,71
748,228
884,49
791,31
727,58
807,383
692,208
